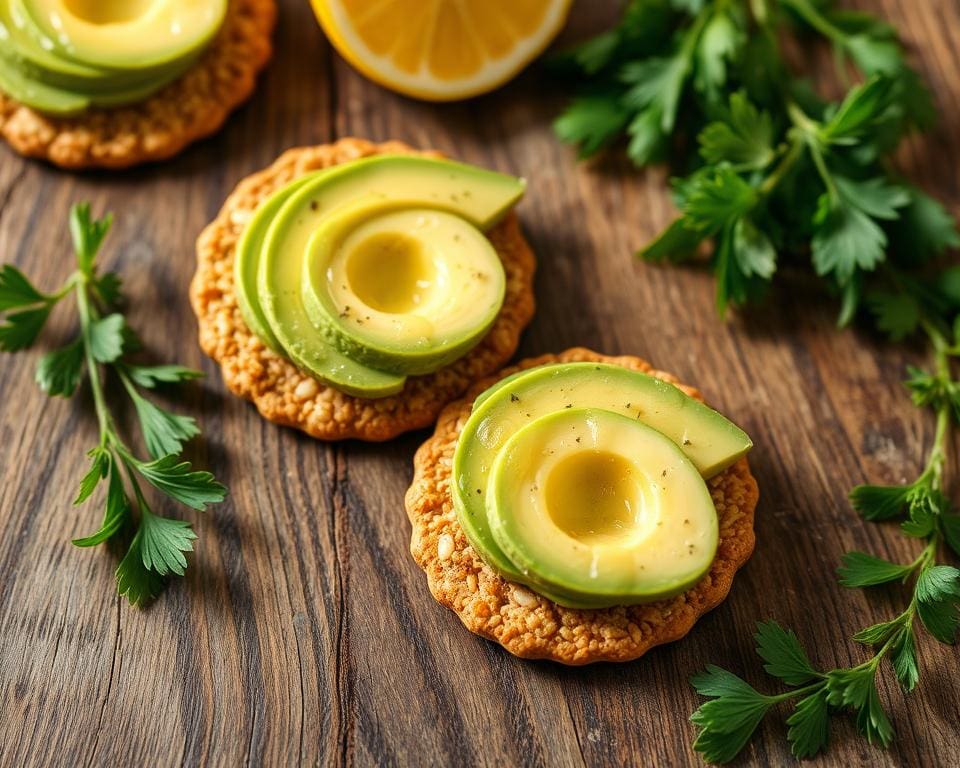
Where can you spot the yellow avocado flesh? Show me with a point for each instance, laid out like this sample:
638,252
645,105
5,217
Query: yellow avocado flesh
711,441
598,508
402,287
125,34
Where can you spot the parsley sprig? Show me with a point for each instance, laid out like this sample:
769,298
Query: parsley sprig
772,172
157,544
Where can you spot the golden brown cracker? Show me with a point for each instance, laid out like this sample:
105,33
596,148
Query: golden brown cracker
190,108
285,394
522,621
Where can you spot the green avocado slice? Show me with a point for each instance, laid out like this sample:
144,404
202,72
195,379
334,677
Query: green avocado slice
710,440
430,284
247,261
599,509
134,35
276,242
35,75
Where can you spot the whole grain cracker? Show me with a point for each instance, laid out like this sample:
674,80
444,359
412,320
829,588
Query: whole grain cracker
522,621
190,108
282,392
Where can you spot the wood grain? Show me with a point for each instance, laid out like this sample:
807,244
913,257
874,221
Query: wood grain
304,633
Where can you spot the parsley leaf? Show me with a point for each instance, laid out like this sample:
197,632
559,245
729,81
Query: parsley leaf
88,235
744,138
592,122
728,721
163,432
897,314
880,502
149,376
100,464
59,372
845,239
905,661
717,200
862,570
106,338
164,542
940,619
22,328
177,480
116,515
16,291
809,724
860,110
937,583
135,581
676,243
783,653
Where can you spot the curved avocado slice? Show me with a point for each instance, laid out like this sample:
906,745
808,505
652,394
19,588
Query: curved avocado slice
278,241
401,287
32,72
63,102
124,34
247,261
601,509
711,441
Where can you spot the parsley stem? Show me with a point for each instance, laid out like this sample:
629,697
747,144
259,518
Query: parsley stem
786,163
86,312
815,19
938,456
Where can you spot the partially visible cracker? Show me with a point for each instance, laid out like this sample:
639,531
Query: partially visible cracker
522,621
190,108
282,392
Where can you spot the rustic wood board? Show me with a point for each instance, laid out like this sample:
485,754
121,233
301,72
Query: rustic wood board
304,632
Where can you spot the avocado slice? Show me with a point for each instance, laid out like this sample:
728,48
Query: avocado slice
124,34
36,74
600,509
277,241
710,440
247,260
401,287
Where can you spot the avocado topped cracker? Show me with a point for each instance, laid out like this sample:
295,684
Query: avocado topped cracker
353,289
593,508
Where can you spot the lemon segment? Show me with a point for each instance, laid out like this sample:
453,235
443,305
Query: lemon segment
441,50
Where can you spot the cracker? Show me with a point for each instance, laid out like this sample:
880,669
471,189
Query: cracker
522,621
282,392
190,108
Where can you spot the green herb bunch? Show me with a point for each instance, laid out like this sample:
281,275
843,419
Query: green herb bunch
774,174
156,543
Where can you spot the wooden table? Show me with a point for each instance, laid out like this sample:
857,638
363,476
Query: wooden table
304,632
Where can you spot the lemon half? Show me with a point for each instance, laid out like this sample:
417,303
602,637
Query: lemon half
441,50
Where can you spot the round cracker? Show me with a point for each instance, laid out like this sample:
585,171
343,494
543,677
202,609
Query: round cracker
527,624
282,392
190,108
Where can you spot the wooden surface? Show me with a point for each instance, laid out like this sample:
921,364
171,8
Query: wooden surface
304,633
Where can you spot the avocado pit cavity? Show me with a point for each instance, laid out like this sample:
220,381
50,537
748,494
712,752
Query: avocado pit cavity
595,496
108,11
390,271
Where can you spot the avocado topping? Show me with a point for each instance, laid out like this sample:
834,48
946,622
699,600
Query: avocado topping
373,270
63,57
585,482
